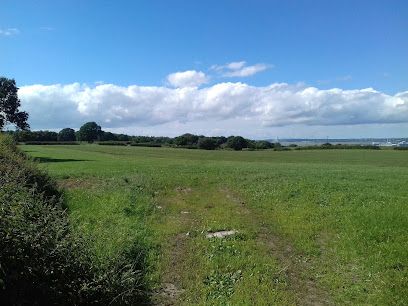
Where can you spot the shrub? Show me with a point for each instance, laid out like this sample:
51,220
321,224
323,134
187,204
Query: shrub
42,261
149,144
113,143
282,149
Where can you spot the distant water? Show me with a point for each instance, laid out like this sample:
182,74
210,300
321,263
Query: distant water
359,141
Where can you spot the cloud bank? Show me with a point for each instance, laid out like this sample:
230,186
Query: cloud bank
279,104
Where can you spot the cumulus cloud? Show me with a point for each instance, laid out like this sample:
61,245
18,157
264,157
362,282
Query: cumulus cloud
279,104
239,69
9,32
189,78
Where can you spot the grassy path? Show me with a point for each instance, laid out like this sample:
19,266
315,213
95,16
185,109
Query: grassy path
256,264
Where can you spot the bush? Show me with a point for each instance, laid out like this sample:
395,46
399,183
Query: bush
282,149
149,144
401,148
113,143
42,261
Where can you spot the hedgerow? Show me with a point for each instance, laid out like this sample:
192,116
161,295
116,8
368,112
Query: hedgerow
42,260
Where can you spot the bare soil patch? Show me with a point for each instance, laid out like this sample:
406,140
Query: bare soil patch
73,183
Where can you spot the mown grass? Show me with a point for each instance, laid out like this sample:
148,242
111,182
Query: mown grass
314,226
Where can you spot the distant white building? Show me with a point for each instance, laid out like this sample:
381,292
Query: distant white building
403,144
388,144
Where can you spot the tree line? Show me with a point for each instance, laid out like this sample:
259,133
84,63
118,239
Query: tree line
92,132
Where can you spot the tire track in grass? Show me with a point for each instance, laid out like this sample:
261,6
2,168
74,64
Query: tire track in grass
174,247
185,213
295,267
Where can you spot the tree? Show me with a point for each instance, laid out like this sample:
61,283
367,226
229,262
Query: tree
89,132
108,136
66,134
9,105
237,143
186,140
263,144
207,143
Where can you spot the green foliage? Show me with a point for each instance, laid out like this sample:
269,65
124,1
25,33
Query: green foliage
89,132
30,136
51,143
113,143
66,134
221,285
207,143
42,261
186,140
10,104
263,144
237,143
146,144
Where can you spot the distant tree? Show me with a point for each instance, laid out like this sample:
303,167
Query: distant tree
45,136
263,144
89,132
220,140
23,136
186,140
108,136
237,143
9,105
66,134
207,143
123,137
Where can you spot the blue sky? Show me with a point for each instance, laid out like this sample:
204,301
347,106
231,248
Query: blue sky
106,47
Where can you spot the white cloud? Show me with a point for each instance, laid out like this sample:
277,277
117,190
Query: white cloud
189,78
239,69
276,105
9,32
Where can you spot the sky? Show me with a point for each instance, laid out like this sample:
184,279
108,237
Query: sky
261,69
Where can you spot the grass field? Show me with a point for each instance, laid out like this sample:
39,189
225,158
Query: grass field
314,227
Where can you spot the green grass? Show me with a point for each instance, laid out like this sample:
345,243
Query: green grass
326,227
